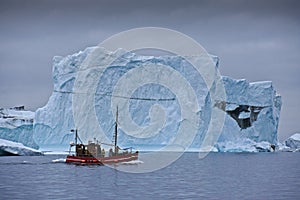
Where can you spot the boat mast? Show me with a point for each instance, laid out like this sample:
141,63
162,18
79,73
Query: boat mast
76,135
116,132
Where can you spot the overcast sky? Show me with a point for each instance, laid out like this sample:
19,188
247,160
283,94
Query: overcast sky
255,40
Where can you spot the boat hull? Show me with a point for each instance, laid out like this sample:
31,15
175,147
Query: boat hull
102,160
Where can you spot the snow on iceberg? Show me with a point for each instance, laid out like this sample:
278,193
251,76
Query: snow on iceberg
252,109
18,149
16,124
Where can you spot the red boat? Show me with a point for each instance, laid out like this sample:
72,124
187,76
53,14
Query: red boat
93,154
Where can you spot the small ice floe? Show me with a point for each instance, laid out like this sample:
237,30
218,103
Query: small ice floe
59,160
133,162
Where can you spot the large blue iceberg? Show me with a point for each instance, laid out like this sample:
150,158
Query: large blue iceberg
251,109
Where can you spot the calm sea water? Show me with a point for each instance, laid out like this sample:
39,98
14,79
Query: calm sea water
218,176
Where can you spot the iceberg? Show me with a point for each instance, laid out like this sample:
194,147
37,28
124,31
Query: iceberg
252,110
293,142
153,108
17,149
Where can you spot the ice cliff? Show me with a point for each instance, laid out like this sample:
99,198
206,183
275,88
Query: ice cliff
252,109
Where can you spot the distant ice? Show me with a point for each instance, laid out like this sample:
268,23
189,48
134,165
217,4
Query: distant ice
16,124
293,142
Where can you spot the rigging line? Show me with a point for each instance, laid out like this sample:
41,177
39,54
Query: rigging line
106,144
124,97
111,129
